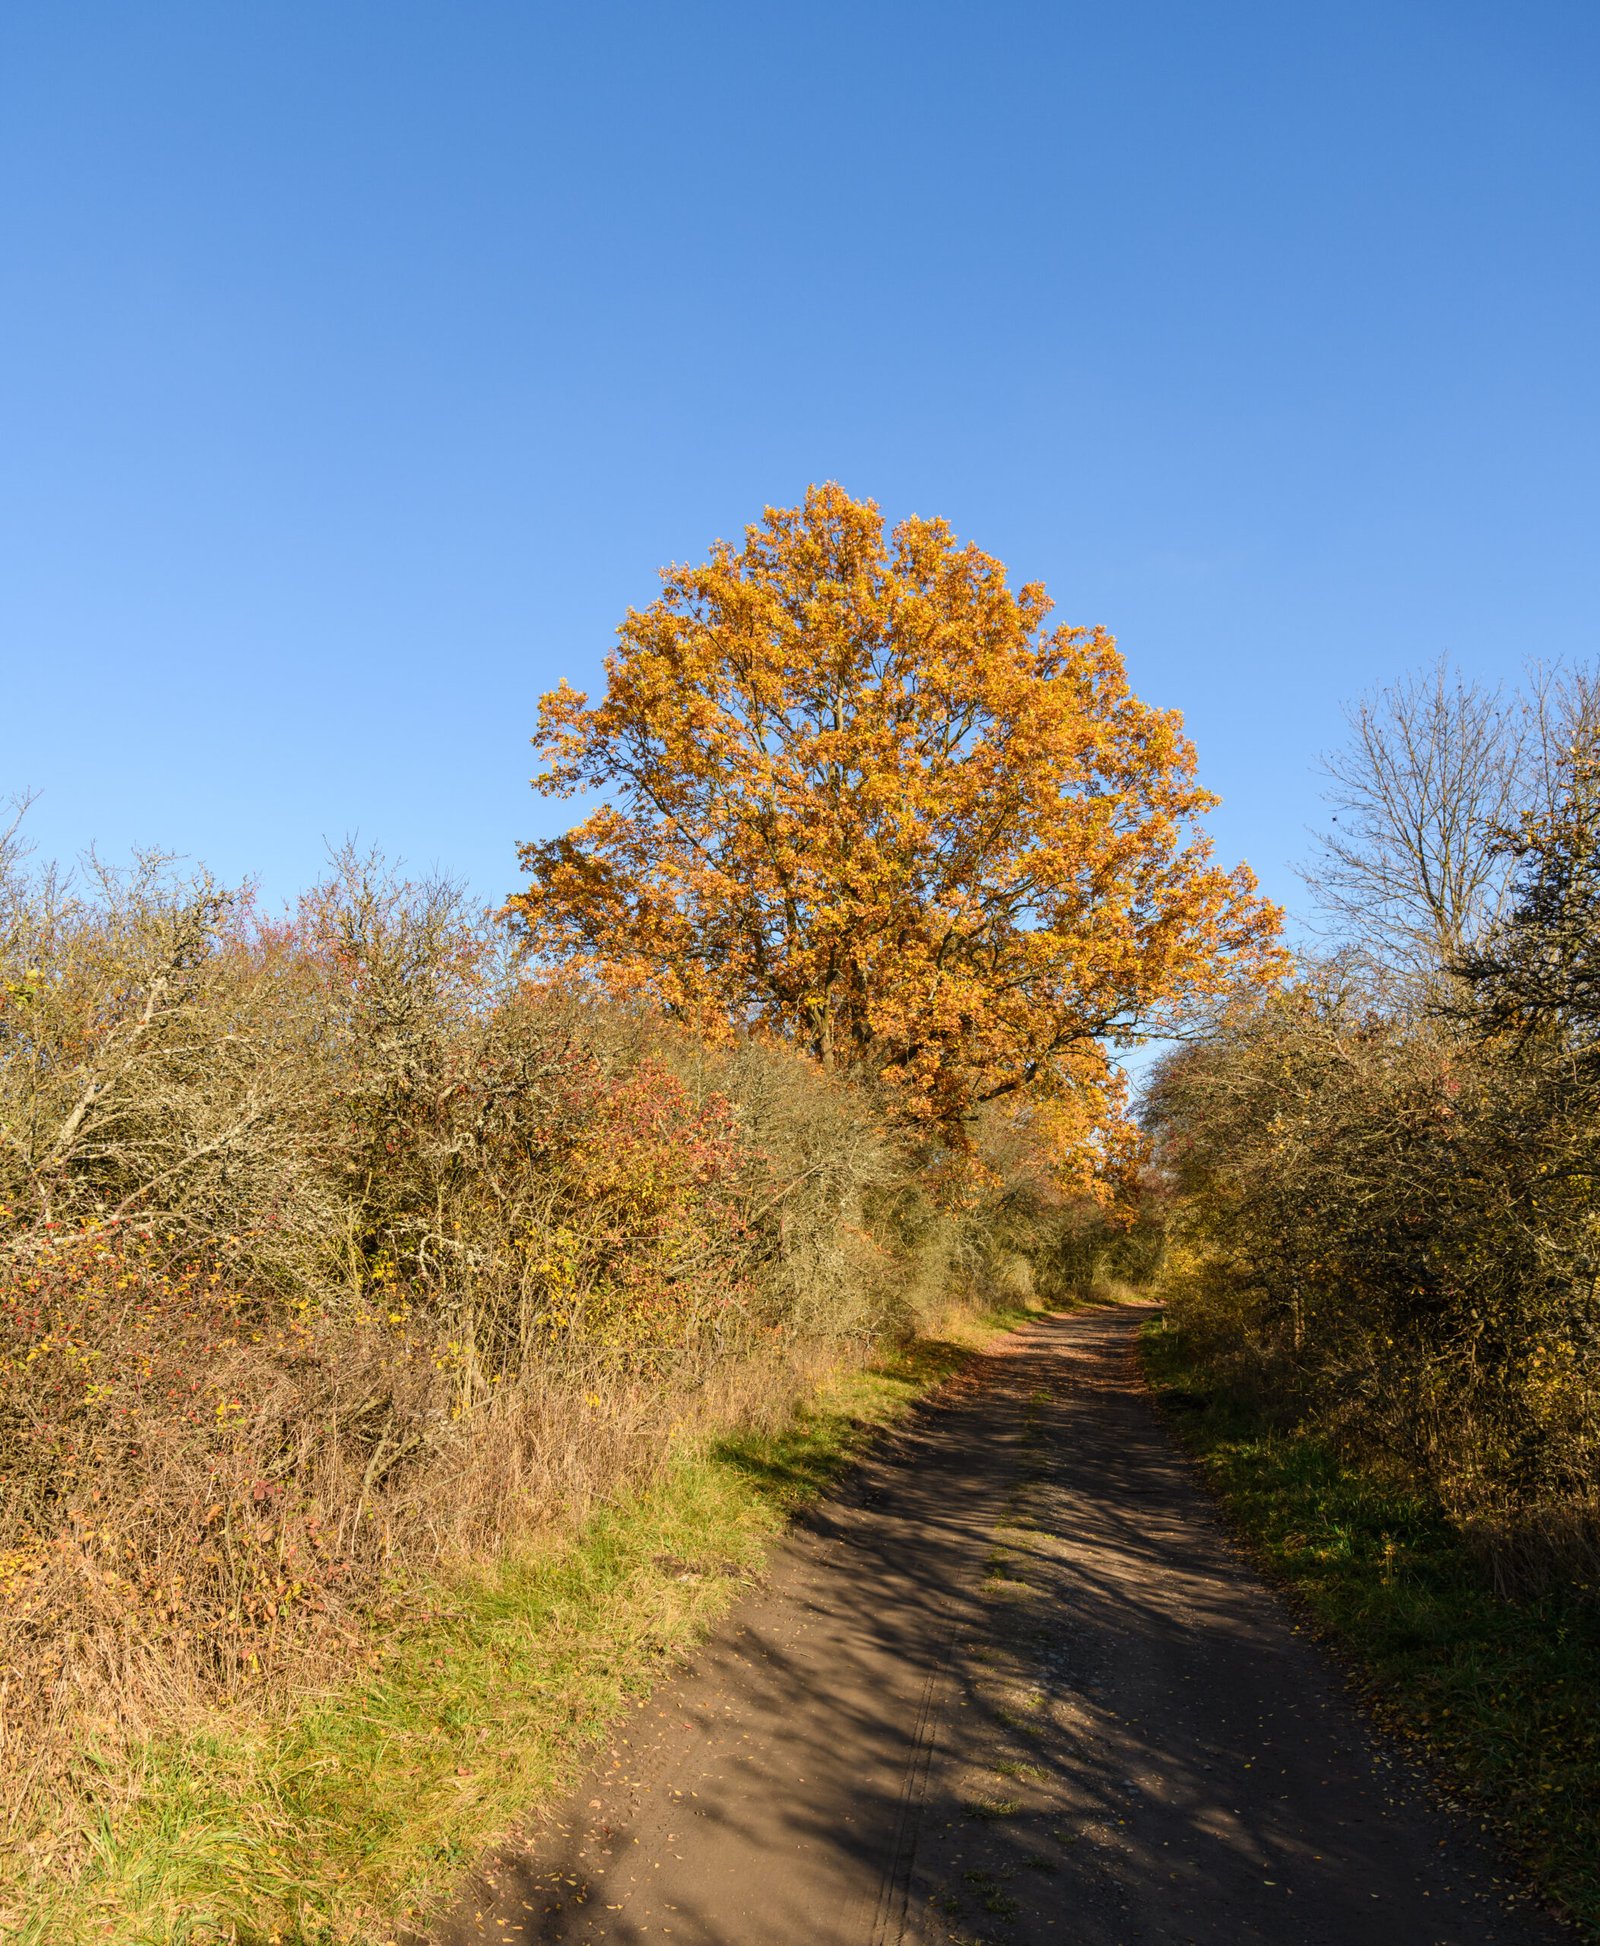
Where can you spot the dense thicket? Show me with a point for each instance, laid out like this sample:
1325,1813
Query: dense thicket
333,1250
1386,1175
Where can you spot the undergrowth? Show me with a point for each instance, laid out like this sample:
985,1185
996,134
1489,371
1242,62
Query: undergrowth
346,1815
1500,1698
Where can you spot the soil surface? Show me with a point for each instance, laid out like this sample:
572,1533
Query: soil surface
1013,1685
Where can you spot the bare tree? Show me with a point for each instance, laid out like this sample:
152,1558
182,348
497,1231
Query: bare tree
1412,868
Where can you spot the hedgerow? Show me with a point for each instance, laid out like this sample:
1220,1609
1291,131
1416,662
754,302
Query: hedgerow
337,1251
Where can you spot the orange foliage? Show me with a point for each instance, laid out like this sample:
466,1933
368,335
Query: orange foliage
860,792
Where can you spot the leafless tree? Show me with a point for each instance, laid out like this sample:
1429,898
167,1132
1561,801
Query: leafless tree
1412,867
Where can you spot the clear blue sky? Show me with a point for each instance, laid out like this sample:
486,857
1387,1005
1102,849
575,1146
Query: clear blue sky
362,362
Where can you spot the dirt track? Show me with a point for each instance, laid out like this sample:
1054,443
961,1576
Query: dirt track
1014,1686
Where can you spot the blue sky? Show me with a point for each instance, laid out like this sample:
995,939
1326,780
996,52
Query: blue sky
361,363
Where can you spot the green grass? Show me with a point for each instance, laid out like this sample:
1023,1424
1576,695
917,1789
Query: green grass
1500,1698
357,1811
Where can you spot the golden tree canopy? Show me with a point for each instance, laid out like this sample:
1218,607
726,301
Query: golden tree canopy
859,791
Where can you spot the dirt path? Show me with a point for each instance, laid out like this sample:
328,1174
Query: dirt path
1014,1686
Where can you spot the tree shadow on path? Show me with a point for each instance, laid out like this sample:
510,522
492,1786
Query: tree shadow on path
1010,1683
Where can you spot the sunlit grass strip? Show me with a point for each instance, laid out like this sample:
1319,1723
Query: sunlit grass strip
357,1811
1502,1698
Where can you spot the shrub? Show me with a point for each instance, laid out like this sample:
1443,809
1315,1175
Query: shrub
1390,1226
336,1251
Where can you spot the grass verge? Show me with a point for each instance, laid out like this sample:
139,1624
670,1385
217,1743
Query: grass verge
353,1813
1500,1699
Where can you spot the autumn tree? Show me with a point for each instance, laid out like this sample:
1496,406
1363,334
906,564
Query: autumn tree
860,792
